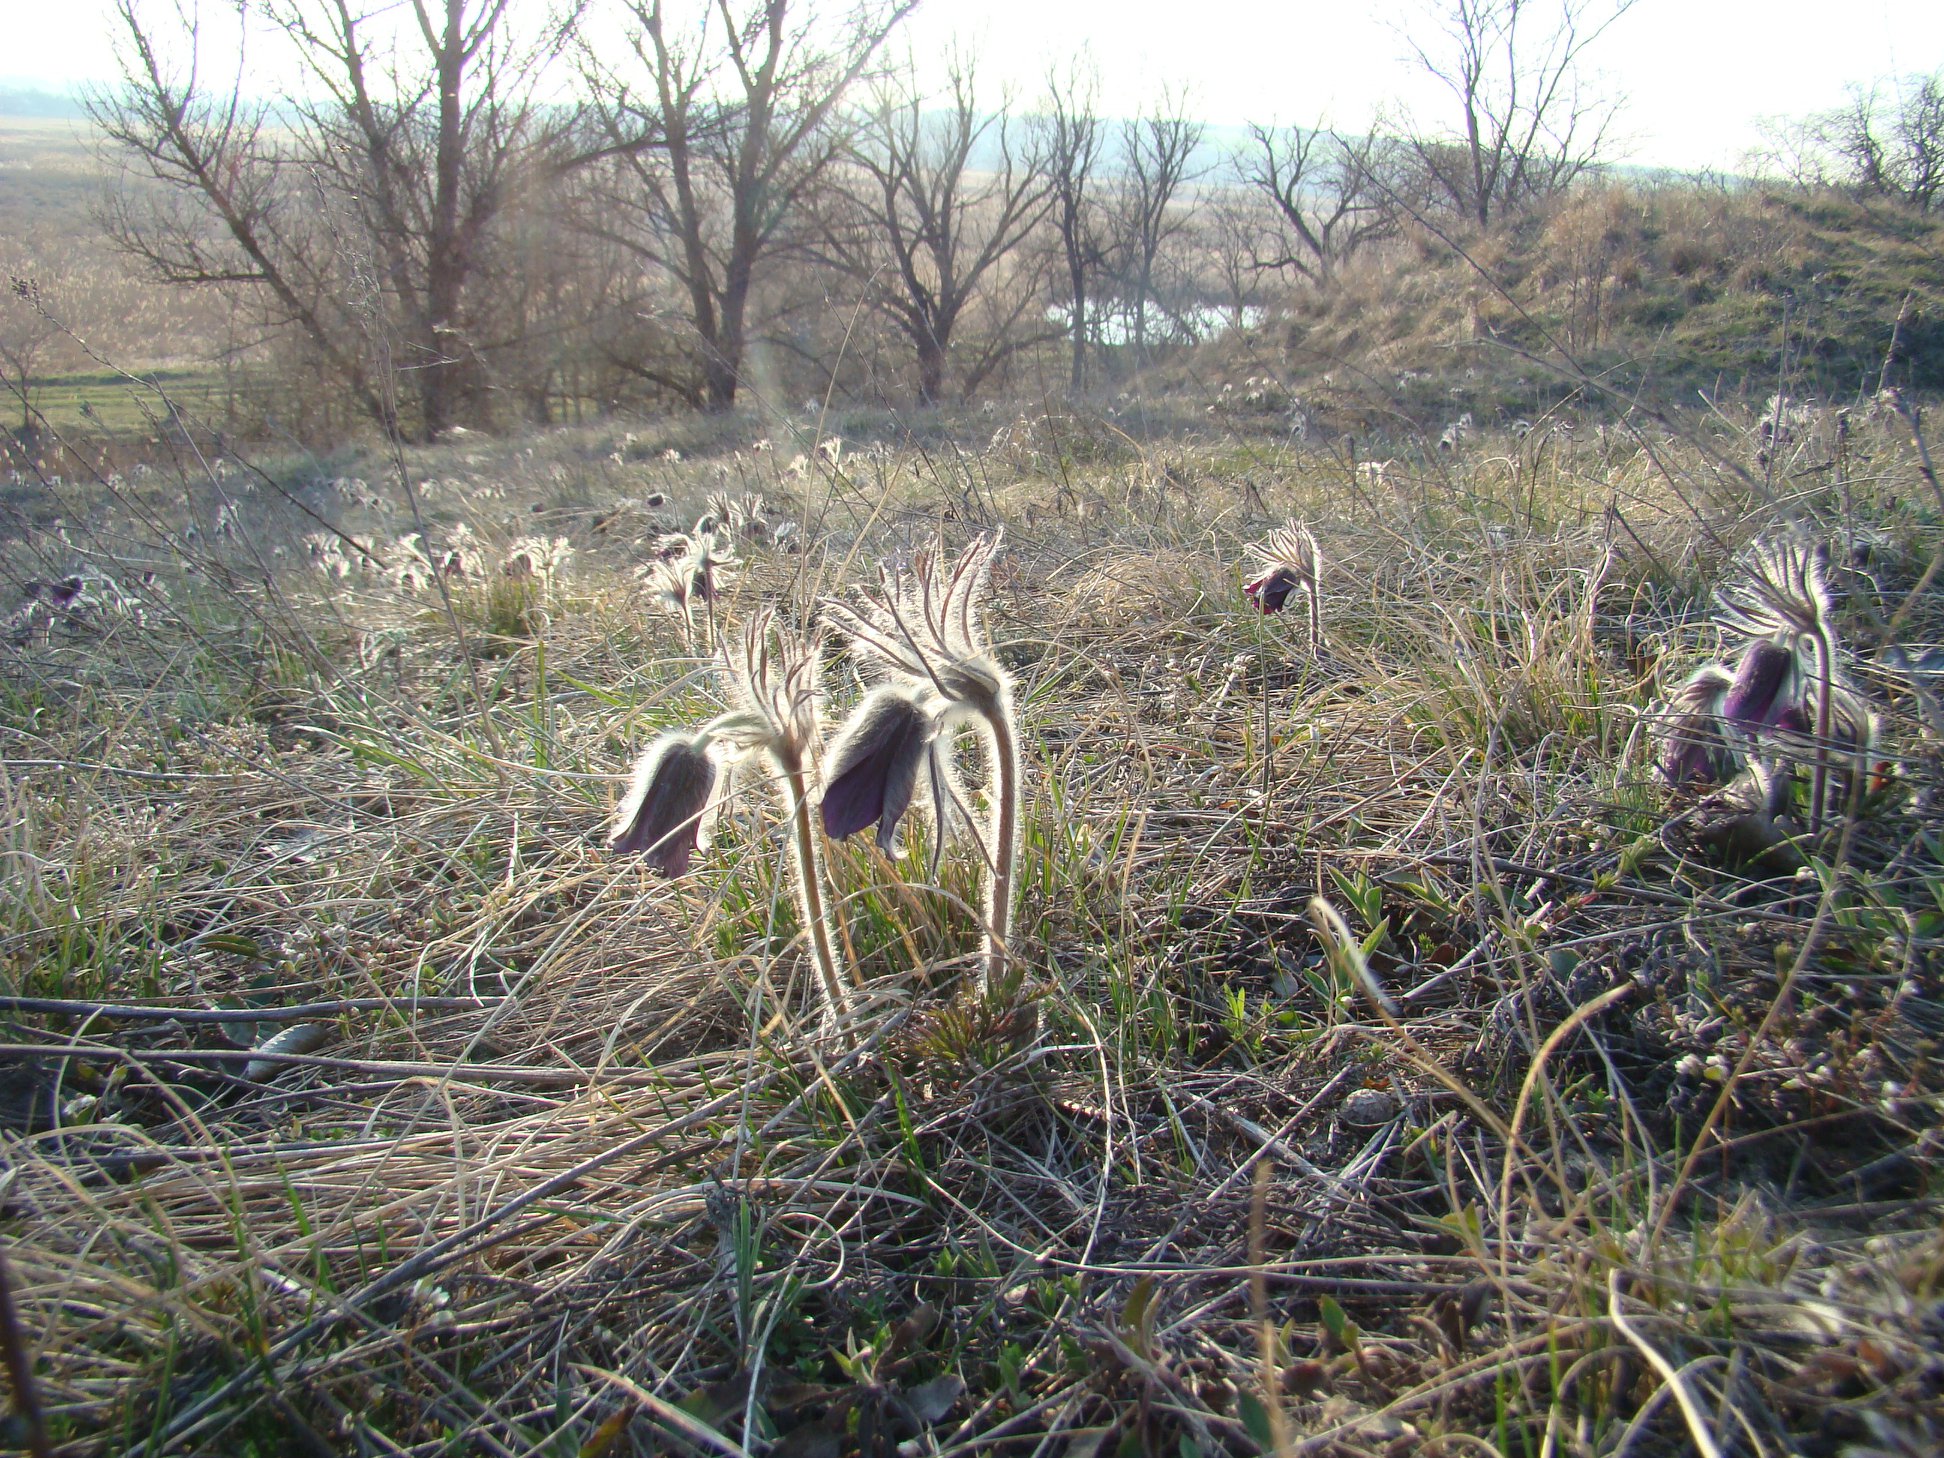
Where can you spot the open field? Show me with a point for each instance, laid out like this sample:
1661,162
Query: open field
357,1099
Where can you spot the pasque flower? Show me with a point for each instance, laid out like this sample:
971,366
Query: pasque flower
1693,748
1767,686
890,743
664,816
1779,601
774,675
1785,696
773,680
922,630
1289,561
687,570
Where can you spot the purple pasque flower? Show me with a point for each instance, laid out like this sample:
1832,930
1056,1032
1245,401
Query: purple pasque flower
1779,589
773,674
1694,749
1270,592
891,739
1288,560
1852,724
664,816
924,631
1767,685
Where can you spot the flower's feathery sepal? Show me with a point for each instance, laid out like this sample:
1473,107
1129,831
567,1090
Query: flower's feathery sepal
775,678
924,631
1780,590
665,815
686,569
1288,560
925,626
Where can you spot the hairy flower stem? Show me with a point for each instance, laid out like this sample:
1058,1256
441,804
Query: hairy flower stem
1268,750
1825,695
808,869
1005,841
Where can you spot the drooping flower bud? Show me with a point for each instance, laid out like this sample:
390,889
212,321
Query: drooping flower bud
875,764
1767,685
1270,592
1694,750
662,817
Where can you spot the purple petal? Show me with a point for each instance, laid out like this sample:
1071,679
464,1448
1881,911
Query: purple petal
1762,690
1694,748
1695,754
1270,592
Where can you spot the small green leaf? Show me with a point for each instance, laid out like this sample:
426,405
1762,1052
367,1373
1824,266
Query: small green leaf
1255,1417
1335,1322
235,945
1137,1317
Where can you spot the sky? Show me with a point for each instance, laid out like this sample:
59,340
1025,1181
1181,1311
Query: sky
1697,76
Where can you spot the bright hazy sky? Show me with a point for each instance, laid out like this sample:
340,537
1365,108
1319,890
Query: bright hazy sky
1697,75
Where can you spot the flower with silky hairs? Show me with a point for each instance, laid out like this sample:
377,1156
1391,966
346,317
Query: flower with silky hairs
891,742
923,631
774,675
1289,561
670,801
1779,601
1693,748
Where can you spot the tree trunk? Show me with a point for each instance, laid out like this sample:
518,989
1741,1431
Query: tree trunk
931,371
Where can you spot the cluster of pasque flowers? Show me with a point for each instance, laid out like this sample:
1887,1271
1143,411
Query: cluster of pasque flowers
689,568
1786,700
920,636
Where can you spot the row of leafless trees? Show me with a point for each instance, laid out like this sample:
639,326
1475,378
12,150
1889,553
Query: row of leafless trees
1886,141
464,215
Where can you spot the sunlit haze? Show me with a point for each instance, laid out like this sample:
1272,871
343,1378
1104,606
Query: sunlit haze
1698,76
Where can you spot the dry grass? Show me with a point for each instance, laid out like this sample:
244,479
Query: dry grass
1642,1162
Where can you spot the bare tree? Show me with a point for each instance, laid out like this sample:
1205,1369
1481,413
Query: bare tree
1159,158
1525,128
718,134
1234,230
1330,192
1893,150
937,202
1070,143
26,331
361,213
